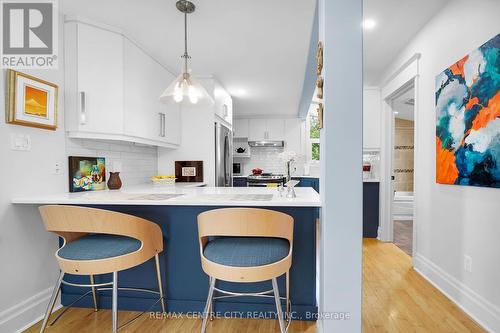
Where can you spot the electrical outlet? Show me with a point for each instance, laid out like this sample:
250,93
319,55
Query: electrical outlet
57,169
468,263
21,142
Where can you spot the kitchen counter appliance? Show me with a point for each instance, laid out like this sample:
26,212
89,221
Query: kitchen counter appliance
266,179
223,156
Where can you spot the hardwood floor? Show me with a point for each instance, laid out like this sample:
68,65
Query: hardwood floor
395,299
403,235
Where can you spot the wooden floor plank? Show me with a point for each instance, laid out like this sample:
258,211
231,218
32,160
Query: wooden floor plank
395,299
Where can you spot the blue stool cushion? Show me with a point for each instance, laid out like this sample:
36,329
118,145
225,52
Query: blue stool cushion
246,251
99,246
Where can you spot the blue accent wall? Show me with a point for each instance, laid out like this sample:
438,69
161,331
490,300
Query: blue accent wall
310,74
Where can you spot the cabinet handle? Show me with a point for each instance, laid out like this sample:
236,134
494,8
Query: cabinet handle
83,107
224,111
162,124
164,127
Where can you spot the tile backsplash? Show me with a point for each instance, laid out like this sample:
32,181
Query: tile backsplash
265,158
137,162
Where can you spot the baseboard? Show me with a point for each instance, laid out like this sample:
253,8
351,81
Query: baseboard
477,307
26,313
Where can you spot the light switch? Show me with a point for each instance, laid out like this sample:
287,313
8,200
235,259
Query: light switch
20,142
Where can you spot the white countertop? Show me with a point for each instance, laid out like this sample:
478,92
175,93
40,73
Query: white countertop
187,196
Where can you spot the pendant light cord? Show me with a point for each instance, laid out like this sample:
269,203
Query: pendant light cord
186,55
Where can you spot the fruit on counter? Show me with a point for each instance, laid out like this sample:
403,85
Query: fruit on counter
257,171
158,177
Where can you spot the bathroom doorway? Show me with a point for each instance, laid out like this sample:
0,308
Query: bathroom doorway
403,107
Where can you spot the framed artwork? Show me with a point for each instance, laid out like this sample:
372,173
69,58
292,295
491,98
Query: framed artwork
31,101
320,115
189,171
87,174
319,59
468,119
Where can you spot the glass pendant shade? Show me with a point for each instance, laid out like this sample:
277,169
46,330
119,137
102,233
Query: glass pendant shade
184,86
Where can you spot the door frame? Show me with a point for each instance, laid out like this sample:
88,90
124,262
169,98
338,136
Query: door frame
405,76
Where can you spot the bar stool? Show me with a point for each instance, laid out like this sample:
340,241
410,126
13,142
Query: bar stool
96,242
246,245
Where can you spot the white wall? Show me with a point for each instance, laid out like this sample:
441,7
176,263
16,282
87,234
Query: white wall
197,141
29,269
454,221
341,182
26,249
372,108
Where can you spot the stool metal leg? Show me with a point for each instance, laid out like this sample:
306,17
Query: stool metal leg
160,284
207,306
115,302
52,301
278,306
288,293
211,309
94,294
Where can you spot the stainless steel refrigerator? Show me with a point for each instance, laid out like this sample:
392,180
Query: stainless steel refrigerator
223,156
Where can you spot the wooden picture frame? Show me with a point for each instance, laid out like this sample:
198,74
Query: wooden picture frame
319,86
189,171
319,59
31,101
320,115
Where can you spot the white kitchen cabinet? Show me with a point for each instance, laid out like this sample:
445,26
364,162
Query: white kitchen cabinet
240,128
257,129
94,79
275,129
144,115
293,135
223,104
113,86
266,129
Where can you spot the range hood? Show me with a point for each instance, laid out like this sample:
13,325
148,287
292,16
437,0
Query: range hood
266,143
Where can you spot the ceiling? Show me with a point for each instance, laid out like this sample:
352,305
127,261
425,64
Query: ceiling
402,105
398,21
256,49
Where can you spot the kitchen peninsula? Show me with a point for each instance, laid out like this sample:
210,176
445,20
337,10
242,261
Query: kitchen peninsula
175,210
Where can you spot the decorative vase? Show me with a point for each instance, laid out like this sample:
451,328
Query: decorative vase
114,182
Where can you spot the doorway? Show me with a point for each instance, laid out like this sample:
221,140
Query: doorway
403,110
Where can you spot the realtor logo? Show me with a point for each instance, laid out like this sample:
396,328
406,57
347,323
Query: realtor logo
29,34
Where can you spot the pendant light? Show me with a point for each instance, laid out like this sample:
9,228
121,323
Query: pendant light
184,85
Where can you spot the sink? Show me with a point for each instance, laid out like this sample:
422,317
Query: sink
238,197
156,196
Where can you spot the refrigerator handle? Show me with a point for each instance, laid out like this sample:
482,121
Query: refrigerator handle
226,149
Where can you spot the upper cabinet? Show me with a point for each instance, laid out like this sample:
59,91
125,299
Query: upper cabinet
223,104
266,129
94,79
112,88
240,128
372,117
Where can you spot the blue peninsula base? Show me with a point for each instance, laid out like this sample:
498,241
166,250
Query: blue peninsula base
186,284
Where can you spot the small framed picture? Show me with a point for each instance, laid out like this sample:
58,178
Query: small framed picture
31,101
87,173
188,171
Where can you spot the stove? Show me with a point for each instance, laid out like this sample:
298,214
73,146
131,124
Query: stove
265,180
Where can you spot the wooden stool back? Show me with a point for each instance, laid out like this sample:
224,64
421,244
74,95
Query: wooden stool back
245,222
73,222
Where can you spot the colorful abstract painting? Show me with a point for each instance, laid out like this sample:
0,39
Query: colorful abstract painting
468,119
86,174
